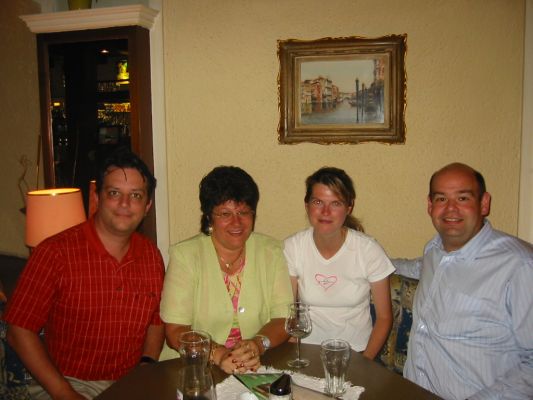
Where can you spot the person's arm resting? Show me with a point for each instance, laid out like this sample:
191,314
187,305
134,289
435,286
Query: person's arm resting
33,354
410,268
284,289
172,334
155,337
380,331
517,383
274,330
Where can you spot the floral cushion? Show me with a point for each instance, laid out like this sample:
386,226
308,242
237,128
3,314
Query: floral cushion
13,375
394,352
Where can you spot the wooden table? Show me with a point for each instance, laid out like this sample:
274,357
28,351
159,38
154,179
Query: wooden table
159,381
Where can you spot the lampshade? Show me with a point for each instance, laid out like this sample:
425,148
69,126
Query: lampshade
51,211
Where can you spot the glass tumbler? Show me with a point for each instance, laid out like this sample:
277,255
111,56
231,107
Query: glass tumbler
195,347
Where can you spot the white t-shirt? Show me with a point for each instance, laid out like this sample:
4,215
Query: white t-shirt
337,290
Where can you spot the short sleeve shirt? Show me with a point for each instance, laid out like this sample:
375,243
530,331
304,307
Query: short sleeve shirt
337,289
95,311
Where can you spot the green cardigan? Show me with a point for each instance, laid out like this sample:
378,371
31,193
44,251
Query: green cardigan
194,292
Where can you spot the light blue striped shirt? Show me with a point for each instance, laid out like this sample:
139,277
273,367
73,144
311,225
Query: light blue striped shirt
472,333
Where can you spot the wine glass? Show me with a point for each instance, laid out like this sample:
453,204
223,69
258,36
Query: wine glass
298,325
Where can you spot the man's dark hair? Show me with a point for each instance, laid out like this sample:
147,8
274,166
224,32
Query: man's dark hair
124,158
223,184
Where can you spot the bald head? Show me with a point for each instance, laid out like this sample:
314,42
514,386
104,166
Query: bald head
457,204
459,167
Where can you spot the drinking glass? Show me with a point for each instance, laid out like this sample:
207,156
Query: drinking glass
298,325
195,382
335,355
195,347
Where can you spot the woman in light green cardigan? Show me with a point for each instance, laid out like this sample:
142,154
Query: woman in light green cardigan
228,281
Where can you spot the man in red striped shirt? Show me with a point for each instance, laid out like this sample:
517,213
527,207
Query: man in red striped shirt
94,291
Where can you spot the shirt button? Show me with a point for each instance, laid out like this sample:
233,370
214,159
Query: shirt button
119,289
242,309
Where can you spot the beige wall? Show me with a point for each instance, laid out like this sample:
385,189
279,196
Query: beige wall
19,119
464,67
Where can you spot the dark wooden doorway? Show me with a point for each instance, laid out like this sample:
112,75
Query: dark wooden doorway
95,96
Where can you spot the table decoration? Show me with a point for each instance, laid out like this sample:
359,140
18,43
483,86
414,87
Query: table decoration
232,389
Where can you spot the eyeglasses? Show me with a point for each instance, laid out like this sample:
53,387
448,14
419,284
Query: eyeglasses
227,215
335,205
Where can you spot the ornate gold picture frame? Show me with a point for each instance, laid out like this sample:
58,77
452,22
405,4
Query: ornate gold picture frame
342,90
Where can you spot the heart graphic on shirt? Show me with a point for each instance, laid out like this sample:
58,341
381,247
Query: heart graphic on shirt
325,281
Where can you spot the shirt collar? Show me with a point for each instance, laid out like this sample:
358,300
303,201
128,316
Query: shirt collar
471,248
134,251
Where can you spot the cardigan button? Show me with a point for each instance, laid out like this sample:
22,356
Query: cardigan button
242,309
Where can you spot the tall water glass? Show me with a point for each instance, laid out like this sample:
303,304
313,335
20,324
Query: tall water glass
335,355
195,347
195,382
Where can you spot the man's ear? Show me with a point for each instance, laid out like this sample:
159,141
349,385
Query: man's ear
485,204
147,208
430,205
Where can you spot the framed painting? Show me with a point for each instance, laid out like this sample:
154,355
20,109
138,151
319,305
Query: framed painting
342,90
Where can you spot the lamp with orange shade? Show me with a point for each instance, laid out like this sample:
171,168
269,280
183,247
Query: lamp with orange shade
51,211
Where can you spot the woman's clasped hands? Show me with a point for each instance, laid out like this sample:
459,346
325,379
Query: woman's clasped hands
243,357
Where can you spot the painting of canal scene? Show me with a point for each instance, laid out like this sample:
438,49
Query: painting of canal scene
344,90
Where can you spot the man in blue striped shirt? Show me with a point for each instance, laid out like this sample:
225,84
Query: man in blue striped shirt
472,333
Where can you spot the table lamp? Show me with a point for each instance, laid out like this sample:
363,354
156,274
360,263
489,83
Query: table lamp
51,211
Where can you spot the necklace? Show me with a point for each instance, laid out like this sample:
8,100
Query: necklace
229,265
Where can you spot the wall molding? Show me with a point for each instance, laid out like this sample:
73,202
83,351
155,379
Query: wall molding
92,18
525,205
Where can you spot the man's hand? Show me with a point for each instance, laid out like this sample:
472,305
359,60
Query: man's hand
69,394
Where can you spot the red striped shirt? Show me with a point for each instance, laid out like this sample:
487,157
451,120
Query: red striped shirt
95,311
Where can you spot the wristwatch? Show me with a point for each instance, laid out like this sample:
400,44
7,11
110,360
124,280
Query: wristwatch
265,342
146,360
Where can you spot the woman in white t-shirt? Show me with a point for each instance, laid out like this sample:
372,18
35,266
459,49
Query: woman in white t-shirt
334,267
